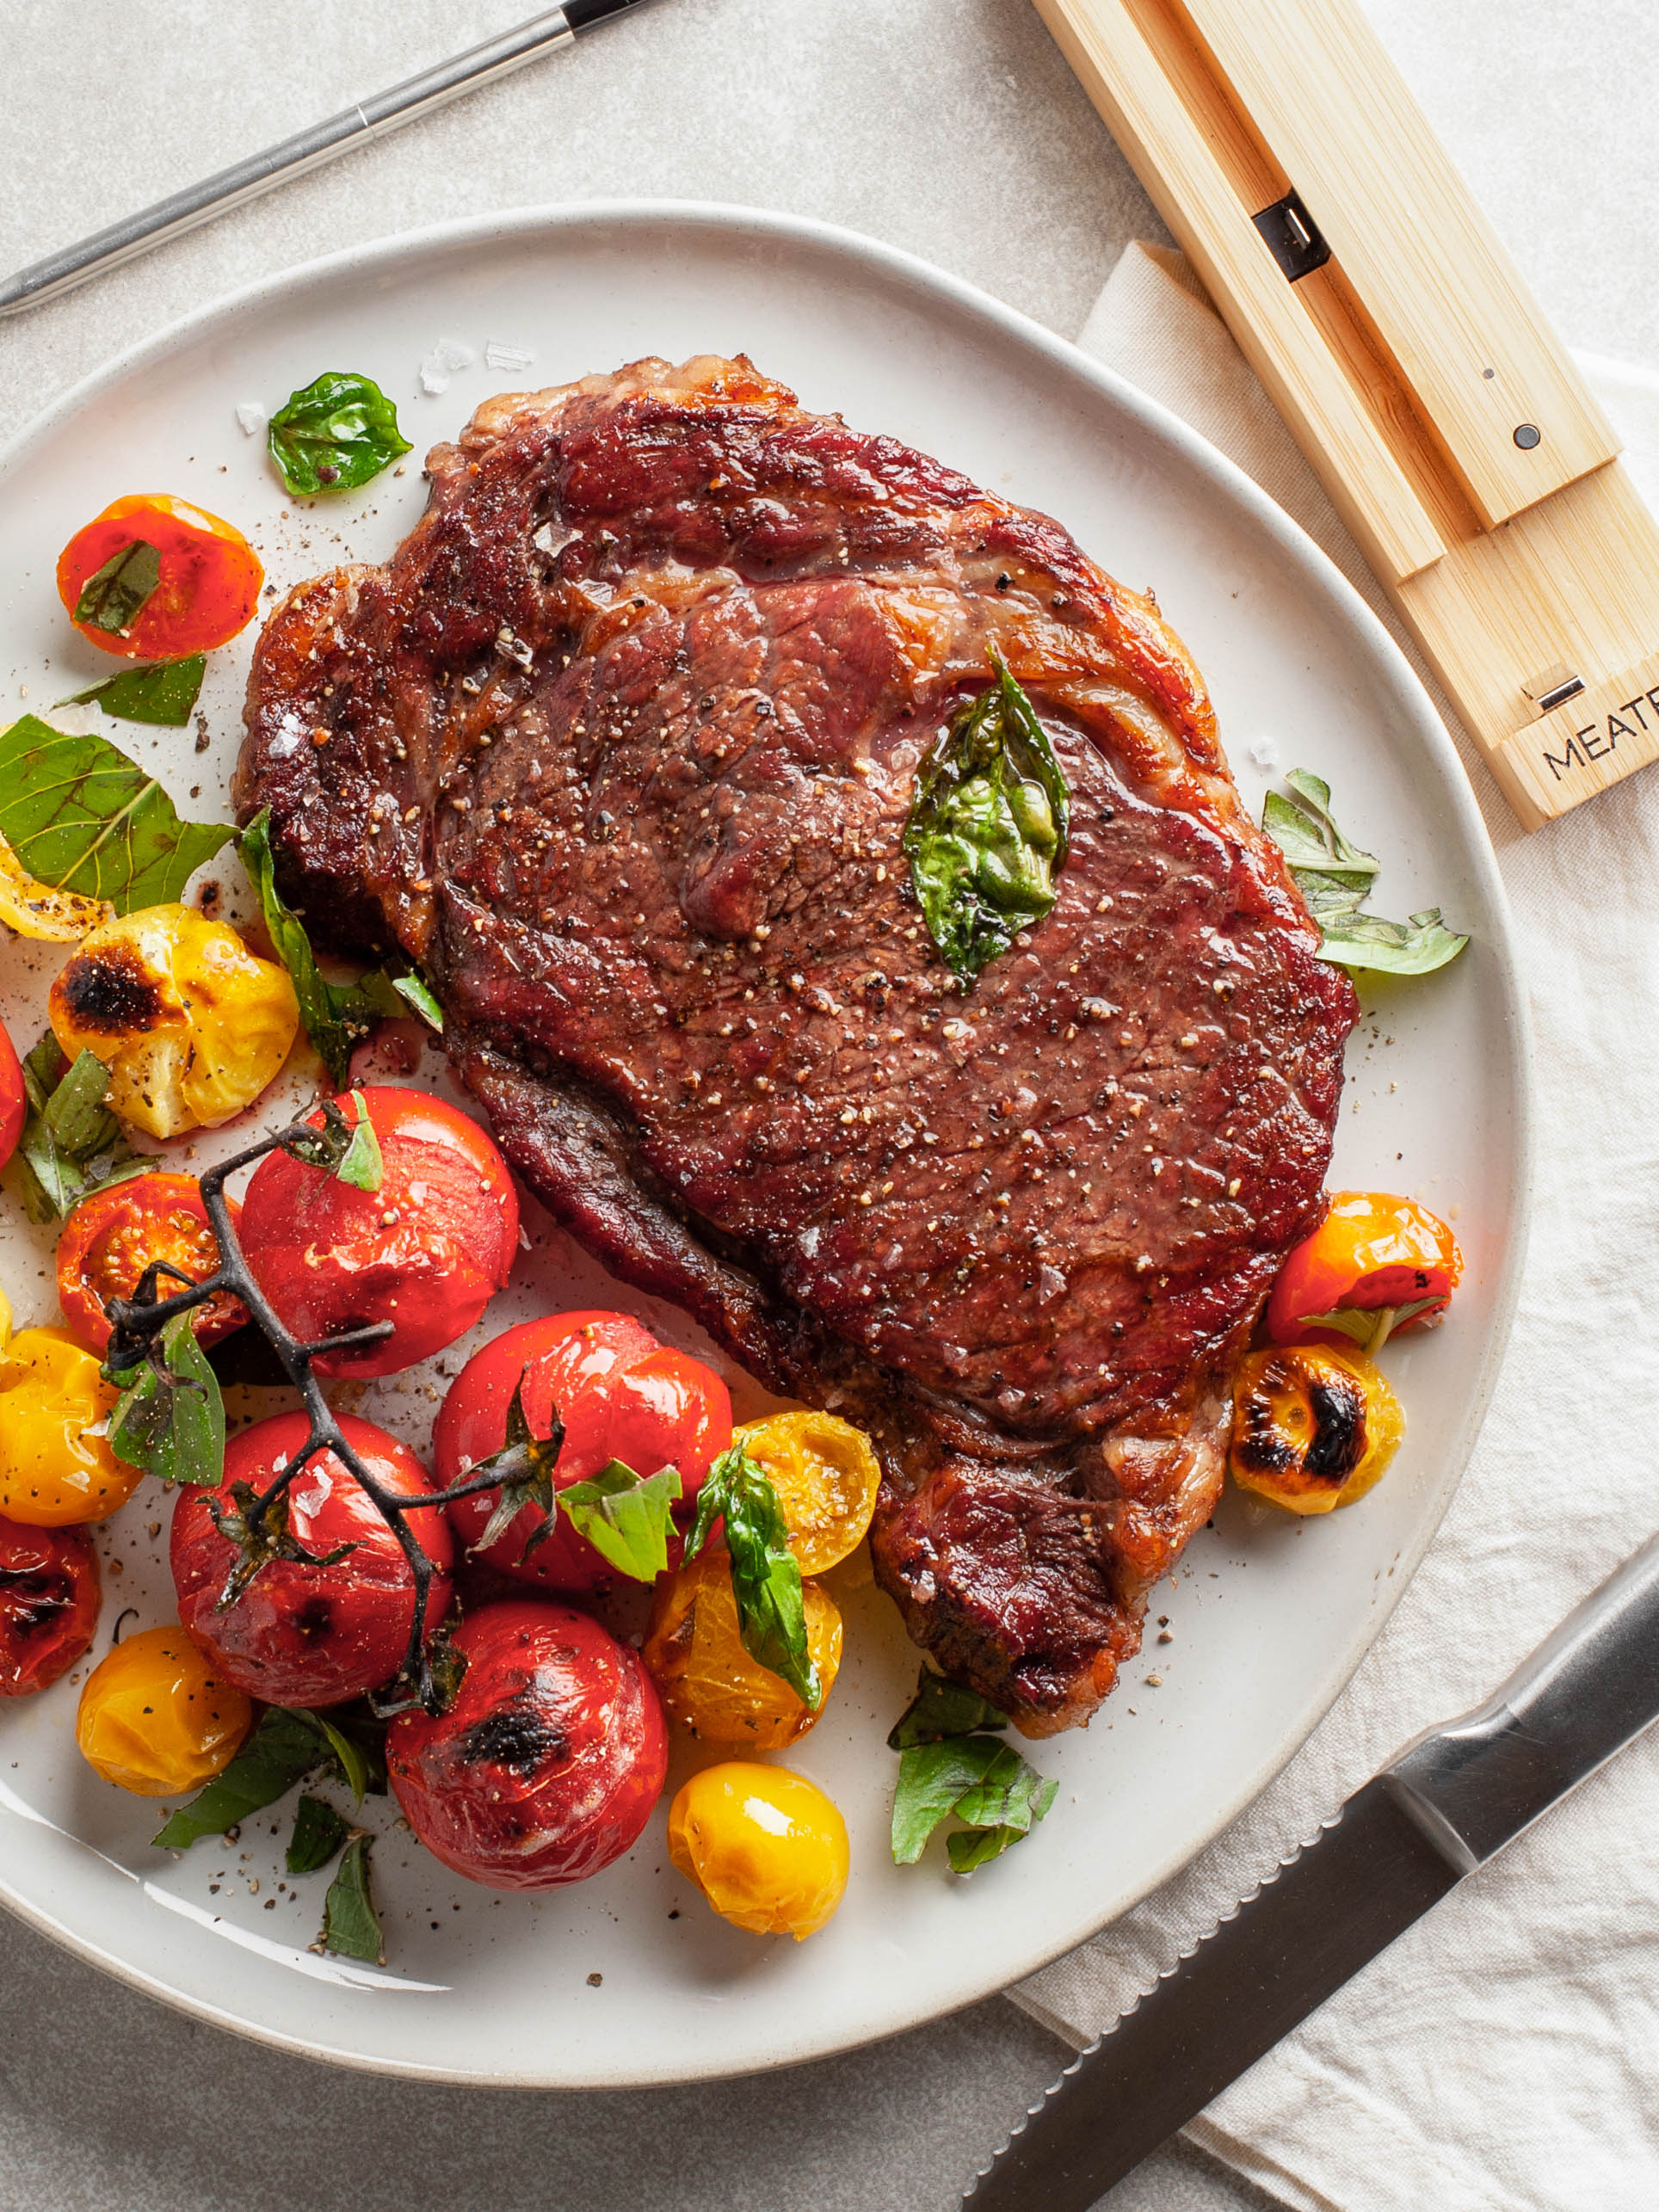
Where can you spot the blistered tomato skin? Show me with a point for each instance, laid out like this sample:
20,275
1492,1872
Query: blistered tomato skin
302,1634
54,1468
766,1848
208,588
694,1652
14,1099
111,1237
548,1765
48,1605
156,1717
620,1394
427,1251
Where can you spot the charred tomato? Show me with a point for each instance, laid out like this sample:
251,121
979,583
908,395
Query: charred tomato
48,1605
111,1238
154,578
310,1630
548,1765
620,1396
426,1251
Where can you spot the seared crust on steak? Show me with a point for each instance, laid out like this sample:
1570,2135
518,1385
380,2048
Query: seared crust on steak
620,747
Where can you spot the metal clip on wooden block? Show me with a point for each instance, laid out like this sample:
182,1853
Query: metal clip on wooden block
1457,439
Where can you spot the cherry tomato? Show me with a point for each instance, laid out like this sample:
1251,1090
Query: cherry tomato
694,1652
426,1251
766,1848
158,1719
1371,1255
48,1605
1312,1429
56,1466
14,1099
548,1764
303,1634
111,1238
209,581
620,1394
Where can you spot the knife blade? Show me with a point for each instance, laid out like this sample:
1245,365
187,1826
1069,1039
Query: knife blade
1451,1800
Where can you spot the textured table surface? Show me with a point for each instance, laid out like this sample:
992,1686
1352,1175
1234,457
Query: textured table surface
952,128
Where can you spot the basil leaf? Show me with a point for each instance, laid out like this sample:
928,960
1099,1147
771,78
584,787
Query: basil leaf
983,1783
1335,878
361,1164
524,1468
356,1738
350,1925
112,595
164,692
80,817
341,431
766,1582
971,1847
942,1708
67,1131
1010,1794
416,993
626,1517
282,1750
318,1832
988,827
170,1420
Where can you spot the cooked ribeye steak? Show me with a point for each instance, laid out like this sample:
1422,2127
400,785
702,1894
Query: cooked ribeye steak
620,747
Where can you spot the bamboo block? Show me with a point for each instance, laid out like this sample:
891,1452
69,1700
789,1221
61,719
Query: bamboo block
1527,570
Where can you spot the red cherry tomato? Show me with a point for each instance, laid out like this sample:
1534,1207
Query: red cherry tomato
1387,1262
208,586
14,1099
427,1251
48,1605
111,1238
548,1764
303,1634
620,1394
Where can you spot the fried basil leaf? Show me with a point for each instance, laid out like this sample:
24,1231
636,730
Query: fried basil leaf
524,1468
1335,878
766,1582
351,1927
164,692
988,827
341,431
626,1517
978,1780
80,817
170,1420
318,1832
113,596
942,1708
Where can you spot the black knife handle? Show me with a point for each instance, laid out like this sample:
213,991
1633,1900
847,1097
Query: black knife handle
1582,1695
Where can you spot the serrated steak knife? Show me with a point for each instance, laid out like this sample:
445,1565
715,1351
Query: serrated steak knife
1450,1801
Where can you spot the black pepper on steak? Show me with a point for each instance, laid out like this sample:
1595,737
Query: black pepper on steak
620,746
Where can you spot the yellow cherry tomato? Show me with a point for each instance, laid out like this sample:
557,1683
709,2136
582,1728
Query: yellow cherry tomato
53,1470
156,1718
5,1321
1313,1427
765,1846
695,1656
826,1476
191,1024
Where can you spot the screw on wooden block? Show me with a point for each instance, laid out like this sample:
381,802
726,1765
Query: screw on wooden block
1527,435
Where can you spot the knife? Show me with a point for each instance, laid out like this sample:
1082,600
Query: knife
1449,1802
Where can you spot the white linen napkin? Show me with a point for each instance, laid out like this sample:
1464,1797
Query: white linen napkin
1505,2052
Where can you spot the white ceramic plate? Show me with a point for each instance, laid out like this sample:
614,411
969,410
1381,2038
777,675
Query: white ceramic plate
1270,1615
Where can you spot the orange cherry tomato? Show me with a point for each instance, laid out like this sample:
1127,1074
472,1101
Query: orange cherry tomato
14,1099
111,1238
209,581
1371,1255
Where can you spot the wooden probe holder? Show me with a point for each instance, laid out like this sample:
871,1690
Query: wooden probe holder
1449,425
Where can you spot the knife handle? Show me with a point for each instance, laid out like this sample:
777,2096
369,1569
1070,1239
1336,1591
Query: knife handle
1590,1686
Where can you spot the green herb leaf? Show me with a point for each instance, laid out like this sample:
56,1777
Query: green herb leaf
170,1419
164,692
971,1847
72,1143
942,1708
342,430
524,1468
81,817
356,1738
1334,878
350,1924
282,1750
416,993
361,1164
766,1582
983,1783
988,827
626,1517
112,595
318,1832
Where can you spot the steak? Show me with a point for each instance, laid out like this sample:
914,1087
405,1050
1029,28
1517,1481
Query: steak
620,747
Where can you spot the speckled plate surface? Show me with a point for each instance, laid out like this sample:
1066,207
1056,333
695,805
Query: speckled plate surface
629,1978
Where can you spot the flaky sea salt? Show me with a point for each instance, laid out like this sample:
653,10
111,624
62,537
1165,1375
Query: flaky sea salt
498,355
251,418
1265,753
441,363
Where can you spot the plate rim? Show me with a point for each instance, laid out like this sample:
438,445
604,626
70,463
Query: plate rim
735,219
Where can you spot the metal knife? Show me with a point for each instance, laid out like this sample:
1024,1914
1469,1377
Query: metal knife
1450,1801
